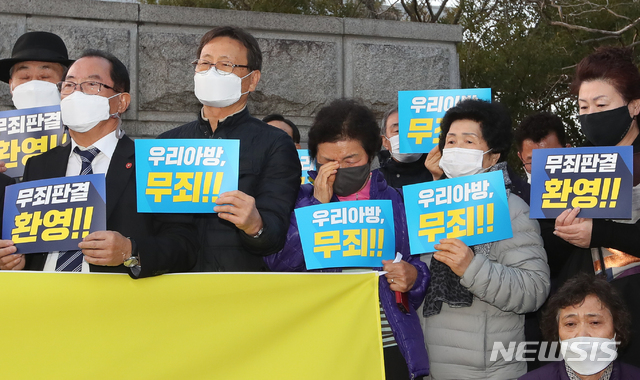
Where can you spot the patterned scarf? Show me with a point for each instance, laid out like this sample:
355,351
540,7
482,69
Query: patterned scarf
445,285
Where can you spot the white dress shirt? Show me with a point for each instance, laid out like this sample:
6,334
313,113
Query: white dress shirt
100,165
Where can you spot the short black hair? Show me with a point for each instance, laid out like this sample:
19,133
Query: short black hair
538,126
119,73
574,292
345,119
278,117
254,54
494,120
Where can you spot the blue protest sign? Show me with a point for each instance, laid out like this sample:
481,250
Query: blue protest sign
185,175
28,132
420,113
307,164
599,180
472,208
347,234
54,214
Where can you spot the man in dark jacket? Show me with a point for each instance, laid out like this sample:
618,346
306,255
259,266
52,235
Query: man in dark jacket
141,244
252,221
399,169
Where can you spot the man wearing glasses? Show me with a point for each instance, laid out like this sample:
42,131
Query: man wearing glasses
94,94
251,222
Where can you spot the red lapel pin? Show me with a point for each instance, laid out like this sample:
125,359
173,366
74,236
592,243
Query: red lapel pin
129,165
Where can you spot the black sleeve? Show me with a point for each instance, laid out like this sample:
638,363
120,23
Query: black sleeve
275,197
558,250
172,247
621,236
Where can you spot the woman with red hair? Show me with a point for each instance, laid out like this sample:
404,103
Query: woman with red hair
607,83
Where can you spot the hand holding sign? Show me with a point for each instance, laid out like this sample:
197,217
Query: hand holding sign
107,248
9,261
455,254
183,175
401,275
54,214
574,230
240,209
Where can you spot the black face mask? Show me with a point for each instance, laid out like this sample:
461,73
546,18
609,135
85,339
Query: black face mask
606,128
350,180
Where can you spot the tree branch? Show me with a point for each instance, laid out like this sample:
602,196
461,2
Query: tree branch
600,31
442,6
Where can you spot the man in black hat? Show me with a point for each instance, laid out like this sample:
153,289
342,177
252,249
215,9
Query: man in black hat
38,61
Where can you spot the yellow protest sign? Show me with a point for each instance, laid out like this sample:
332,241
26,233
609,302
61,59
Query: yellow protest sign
190,326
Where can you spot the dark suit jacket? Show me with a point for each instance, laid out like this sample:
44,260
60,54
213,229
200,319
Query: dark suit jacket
166,243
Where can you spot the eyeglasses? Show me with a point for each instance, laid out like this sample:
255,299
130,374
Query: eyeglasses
89,88
222,67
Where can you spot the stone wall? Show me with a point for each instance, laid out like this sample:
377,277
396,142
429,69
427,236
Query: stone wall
308,60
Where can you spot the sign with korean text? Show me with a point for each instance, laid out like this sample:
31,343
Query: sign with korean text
420,114
28,132
599,180
307,164
185,175
472,208
54,214
347,234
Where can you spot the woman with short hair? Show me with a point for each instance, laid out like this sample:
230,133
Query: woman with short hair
589,319
607,83
343,140
478,295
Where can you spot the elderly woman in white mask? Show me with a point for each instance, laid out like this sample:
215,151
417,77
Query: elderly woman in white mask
590,321
478,294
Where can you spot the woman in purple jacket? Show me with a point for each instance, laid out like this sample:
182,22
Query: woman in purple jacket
591,323
343,140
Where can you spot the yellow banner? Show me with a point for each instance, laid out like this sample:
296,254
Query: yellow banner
190,326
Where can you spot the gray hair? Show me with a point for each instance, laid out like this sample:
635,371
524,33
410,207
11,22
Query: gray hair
385,117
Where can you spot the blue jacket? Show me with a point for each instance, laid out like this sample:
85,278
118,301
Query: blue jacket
406,328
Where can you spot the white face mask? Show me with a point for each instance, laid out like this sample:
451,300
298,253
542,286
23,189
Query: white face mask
216,90
395,151
458,162
588,355
81,112
528,176
35,93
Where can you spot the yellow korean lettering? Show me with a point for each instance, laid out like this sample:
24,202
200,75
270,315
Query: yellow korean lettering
431,224
420,129
57,224
158,184
326,242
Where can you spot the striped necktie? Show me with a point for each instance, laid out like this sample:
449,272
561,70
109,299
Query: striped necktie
71,261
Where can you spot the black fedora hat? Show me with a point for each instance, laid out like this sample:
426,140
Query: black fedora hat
35,46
